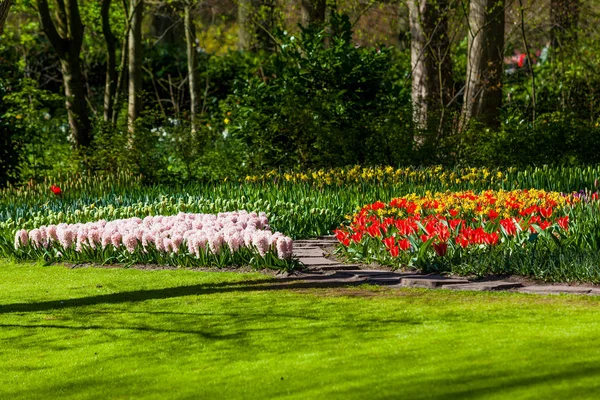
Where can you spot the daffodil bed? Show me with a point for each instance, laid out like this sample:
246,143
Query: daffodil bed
500,232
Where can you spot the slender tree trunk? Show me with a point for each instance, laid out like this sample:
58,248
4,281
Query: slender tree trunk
483,91
244,20
564,17
4,8
135,63
190,40
432,82
67,41
313,11
121,78
111,67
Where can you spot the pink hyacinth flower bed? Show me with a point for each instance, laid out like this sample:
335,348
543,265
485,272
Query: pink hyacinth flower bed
226,239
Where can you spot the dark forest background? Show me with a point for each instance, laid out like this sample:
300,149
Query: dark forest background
207,89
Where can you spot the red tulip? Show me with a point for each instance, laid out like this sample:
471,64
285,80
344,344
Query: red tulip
544,225
462,240
546,212
563,222
440,248
56,190
389,242
404,244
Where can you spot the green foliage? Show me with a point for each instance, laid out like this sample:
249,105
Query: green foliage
41,136
555,139
322,101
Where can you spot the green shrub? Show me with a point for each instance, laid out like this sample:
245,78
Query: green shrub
322,101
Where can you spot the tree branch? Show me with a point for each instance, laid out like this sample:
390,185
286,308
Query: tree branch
58,43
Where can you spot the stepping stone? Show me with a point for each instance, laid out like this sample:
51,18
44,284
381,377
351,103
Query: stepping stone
370,272
431,282
555,289
316,242
383,280
336,267
317,261
308,253
484,286
301,246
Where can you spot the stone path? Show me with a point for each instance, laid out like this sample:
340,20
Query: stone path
313,254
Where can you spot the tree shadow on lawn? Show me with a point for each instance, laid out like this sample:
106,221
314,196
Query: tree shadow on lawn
317,282
204,334
500,381
490,385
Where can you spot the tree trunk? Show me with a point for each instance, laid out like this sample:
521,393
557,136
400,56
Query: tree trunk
256,22
432,82
111,68
244,19
79,121
483,91
564,16
67,44
4,7
122,74
135,63
313,11
190,40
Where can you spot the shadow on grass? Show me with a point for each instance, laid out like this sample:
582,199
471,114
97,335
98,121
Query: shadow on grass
328,281
491,385
133,328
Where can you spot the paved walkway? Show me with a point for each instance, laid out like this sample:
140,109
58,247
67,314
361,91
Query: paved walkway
312,253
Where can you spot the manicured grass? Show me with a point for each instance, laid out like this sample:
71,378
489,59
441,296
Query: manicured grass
118,333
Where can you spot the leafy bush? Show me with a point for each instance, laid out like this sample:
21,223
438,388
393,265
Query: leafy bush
555,139
322,101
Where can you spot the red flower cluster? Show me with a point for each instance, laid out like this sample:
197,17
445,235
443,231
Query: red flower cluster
405,223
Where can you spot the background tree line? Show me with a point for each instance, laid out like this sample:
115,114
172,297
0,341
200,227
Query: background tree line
201,89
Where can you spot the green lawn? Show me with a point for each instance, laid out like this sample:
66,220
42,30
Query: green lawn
117,333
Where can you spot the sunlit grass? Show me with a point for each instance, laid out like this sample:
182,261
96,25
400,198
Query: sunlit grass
126,333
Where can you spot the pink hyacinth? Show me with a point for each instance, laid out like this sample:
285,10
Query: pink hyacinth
168,245
261,242
21,238
234,240
35,237
116,238
81,240
64,235
215,243
176,241
130,242
159,243
51,232
195,232
94,238
284,248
